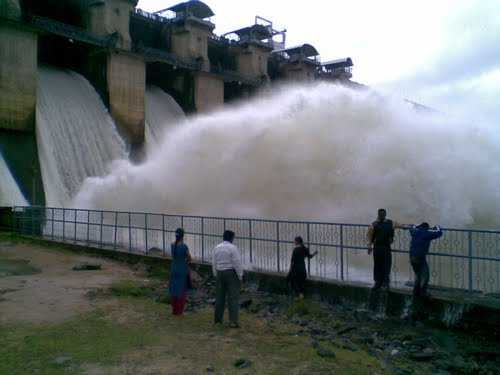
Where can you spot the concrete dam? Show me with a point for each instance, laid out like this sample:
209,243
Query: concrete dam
78,78
102,102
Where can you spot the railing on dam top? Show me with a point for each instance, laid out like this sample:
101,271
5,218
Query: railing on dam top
70,31
461,259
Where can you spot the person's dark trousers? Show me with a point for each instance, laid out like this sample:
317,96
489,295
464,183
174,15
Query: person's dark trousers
382,263
227,287
421,269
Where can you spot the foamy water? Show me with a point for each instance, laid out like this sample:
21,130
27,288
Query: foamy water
314,152
75,133
162,112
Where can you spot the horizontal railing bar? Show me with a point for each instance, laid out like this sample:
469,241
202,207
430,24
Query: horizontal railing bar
270,221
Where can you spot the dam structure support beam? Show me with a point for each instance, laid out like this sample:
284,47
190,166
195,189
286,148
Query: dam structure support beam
208,92
252,61
18,78
126,85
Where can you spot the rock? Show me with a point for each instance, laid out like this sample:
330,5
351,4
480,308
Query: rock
346,330
62,360
315,331
245,304
425,355
242,363
325,353
87,267
394,352
155,251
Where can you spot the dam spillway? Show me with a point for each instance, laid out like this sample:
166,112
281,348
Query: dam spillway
76,136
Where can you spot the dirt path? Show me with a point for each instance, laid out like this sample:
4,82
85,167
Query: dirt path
56,293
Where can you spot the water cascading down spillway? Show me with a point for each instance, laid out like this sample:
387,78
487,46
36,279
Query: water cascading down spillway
10,194
75,133
162,113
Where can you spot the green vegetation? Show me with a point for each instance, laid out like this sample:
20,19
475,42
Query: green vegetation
137,333
306,308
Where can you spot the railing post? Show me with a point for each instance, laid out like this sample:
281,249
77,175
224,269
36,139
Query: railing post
341,252
129,232
115,230
88,226
100,231
469,237
278,245
32,222
64,224
250,236
309,246
52,224
146,232
163,233
202,240
75,214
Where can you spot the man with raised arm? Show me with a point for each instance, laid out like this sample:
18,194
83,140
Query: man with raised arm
421,237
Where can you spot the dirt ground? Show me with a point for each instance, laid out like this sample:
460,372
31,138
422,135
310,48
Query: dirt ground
56,293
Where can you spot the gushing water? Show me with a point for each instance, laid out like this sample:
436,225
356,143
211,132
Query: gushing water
76,136
314,152
162,112
10,195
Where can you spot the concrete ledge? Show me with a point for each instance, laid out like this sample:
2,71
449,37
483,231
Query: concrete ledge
452,309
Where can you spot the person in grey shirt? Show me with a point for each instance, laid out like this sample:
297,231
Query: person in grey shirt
228,270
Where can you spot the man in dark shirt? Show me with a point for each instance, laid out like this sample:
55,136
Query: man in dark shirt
421,237
380,237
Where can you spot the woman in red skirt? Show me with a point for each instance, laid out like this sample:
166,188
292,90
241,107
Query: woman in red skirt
179,273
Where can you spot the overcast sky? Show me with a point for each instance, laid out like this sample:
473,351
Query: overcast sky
441,53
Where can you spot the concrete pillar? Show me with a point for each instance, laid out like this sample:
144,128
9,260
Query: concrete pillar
106,17
190,41
126,84
208,92
300,71
18,78
252,61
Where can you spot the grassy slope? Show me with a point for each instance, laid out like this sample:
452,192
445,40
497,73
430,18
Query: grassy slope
137,335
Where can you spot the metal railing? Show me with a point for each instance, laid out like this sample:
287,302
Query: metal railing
461,259
70,31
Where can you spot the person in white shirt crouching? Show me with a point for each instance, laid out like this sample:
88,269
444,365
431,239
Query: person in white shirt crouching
228,270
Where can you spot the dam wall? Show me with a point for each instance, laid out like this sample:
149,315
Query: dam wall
121,49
